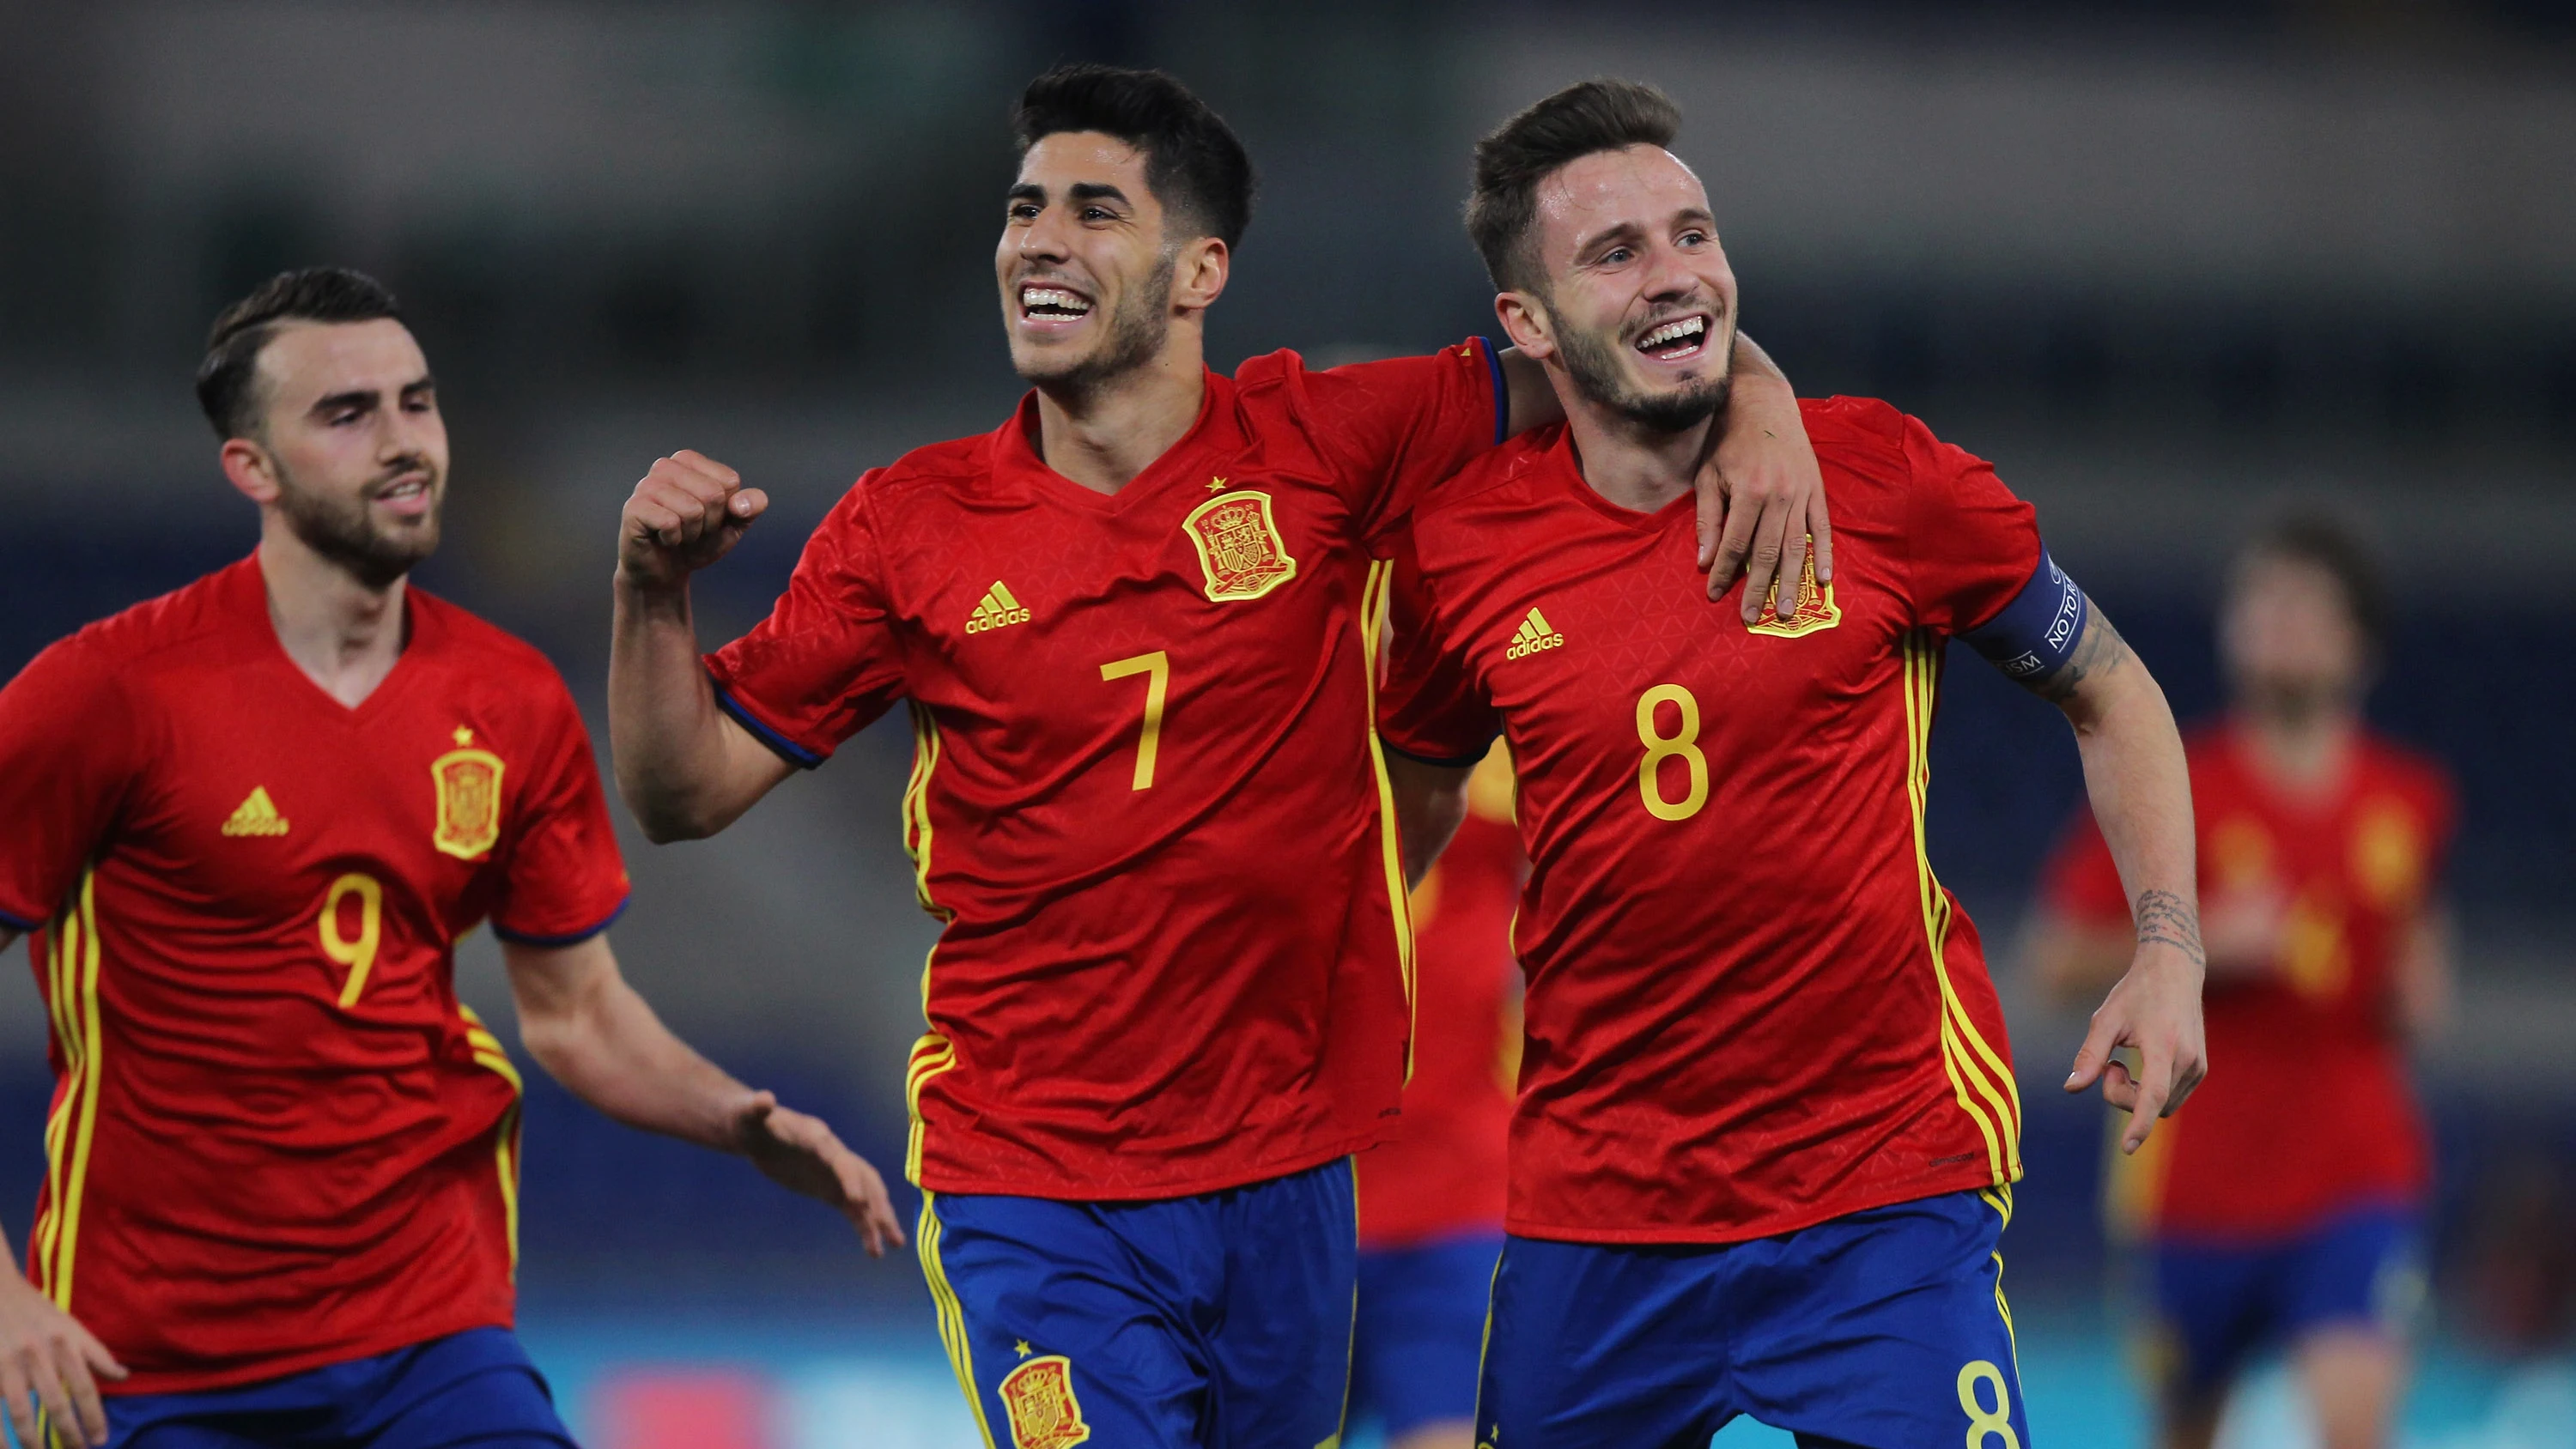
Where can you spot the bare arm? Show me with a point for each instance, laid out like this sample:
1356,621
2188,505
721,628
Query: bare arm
1430,801
48,1361
2140,790
593,1033
684,767
1760,490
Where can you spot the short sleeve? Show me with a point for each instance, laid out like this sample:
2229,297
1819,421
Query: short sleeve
1429,706
566,879
2081,880
1399,426
1972,545
825,663
69,757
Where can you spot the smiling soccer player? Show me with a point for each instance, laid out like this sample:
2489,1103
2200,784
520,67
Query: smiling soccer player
1767,1125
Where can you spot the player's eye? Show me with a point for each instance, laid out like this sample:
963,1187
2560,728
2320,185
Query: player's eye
1615,256
1023,211
1098,213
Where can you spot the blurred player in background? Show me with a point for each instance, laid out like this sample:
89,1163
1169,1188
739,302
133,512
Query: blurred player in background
2286,1212
1135,625
1767,1127
246,824
1431,1196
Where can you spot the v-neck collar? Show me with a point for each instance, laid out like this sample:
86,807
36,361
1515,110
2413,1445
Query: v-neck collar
1016,457
250,596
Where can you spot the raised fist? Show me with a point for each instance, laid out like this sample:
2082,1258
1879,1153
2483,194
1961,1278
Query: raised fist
687,512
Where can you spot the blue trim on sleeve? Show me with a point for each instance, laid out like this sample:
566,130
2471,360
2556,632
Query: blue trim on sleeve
19,926
574,939
786,749
1502,395
1468,762
2033,635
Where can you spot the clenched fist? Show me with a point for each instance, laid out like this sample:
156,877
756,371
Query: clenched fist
688,512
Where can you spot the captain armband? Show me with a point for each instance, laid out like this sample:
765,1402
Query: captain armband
2035,634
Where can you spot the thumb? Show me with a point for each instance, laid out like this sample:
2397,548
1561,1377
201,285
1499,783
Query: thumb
747,504
2091,1057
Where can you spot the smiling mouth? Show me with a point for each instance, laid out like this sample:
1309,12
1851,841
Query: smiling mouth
1049,303
406,491
1679,340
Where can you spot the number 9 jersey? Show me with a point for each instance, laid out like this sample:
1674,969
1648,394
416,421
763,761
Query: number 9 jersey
278,1140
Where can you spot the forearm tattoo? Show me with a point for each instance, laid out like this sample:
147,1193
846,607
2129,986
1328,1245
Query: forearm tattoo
2099,651
2165,917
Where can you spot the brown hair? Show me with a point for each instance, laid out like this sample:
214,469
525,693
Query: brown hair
1595,115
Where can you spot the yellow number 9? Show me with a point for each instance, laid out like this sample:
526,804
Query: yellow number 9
1661,747
358,955
1984,1423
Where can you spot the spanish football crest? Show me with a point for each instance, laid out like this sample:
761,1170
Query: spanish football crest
1044,1413
469,801
1239,546
1812,610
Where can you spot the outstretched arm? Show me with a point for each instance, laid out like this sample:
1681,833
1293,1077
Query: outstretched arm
594,1034
1430,801
1760,491
2140,790
48,1362
684,768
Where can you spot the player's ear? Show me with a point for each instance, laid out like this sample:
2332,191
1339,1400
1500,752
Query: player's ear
249,469
1199,274
1525,322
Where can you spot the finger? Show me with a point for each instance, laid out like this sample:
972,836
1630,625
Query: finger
1711,505
2118,1087
2095,1054
101,1362
57,1404
1770,564
1820,527
91,1412
22,1404
749,504
1733,543
2150,1105
698,464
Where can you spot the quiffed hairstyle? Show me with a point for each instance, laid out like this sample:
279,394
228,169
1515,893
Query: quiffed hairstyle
1193,163
2324,543
1595,115
316,294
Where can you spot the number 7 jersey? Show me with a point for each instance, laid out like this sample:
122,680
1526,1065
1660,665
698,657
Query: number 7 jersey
1145,798
278,1140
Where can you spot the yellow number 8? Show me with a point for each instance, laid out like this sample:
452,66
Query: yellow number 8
358,955
1985,1423
1662,747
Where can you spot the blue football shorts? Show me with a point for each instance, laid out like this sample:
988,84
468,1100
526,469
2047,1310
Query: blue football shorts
470,1390
1883,1329
1421,1330
2217,1304
1218,1321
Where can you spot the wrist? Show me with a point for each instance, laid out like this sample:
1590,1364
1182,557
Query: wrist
650,592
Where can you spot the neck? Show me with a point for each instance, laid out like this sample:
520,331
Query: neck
1102,434
344,634
1625,461
2302,751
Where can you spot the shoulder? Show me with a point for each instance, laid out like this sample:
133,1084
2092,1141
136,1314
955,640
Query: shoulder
936,469
1867,439
1502,480
173,628
466,639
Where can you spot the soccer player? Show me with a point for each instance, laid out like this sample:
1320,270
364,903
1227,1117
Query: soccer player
1135,626
1431,1195
1767,1122
246,824
2287,1212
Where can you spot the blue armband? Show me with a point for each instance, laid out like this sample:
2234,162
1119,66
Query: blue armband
2034,634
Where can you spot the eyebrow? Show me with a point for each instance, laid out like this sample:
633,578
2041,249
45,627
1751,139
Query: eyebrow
365,398
1097,191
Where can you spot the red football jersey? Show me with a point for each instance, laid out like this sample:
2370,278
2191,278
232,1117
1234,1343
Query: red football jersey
277,1139
1145,802
2309,1109
1751,1007
1440,1173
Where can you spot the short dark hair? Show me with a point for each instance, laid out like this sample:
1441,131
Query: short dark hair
2323,542
314,294
1593,115
1193,162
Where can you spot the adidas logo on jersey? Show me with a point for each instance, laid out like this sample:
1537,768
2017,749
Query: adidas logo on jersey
256,816
1534,635
998,610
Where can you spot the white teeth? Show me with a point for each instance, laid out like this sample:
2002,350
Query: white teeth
1035,297
1672,332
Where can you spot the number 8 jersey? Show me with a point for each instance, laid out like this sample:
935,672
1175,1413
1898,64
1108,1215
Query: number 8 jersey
277,1138
1751,1007
1145,798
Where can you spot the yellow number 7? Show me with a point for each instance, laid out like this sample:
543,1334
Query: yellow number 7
1157,669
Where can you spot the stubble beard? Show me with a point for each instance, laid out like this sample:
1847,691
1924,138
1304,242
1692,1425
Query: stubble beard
344,532
1136,335
1592,362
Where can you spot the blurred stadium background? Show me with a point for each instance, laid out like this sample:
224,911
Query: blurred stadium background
2171,264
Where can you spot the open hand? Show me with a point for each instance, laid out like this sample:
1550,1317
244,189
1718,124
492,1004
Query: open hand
686,513
802,1154
49,1362
1761,497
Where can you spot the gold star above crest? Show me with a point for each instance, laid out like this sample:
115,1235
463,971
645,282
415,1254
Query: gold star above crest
1023,1347
464,736
1216,485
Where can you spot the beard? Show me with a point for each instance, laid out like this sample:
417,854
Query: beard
1136,333
1592,362
344,530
